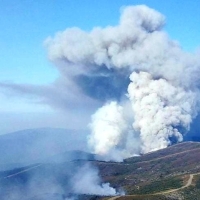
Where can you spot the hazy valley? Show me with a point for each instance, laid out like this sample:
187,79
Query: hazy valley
163,174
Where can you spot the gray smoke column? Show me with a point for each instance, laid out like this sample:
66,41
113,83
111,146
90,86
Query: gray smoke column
158,104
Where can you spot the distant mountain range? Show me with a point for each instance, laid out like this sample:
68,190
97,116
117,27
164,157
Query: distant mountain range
36,145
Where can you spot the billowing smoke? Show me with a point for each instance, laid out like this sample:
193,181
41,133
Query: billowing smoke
87,181
161,110
112,134
149,111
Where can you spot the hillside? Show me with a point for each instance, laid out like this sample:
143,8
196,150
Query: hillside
170,173
157,172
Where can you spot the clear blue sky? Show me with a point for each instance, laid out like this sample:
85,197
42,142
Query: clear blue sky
25,24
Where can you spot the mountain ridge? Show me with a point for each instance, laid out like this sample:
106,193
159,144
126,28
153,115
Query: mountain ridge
34,145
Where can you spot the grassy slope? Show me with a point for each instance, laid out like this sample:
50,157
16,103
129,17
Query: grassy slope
154,172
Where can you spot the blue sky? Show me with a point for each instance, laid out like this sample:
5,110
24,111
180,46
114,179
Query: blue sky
25,24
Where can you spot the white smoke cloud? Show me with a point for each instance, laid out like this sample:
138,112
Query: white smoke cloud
160,109
163,89
87,181
137,43
111,133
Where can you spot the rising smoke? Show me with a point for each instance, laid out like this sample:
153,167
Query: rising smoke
118,139
162,92
87,181
160,110
146,85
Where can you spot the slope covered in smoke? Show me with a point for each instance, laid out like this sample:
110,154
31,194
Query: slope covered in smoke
55,179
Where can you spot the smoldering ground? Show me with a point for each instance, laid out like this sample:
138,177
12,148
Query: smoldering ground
54,181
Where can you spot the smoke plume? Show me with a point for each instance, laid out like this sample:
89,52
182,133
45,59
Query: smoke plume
162,90
161,110
146,85
132,65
